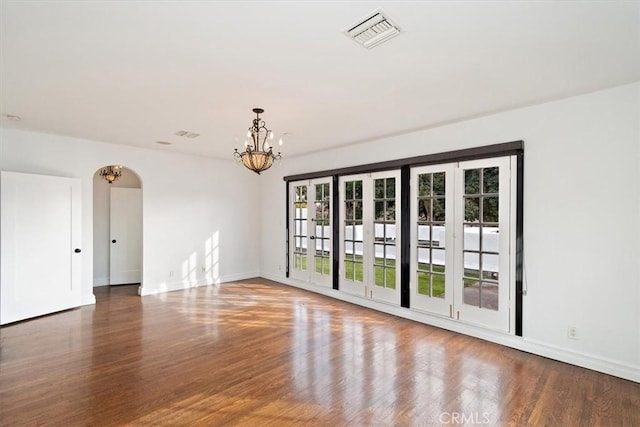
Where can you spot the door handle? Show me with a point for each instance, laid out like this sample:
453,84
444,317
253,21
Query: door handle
77,250
313,237
113,241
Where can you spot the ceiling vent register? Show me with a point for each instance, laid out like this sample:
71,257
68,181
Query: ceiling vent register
373,30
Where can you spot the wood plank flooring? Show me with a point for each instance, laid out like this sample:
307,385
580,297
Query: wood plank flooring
259,353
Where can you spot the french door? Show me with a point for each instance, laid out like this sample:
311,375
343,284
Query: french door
462,249
311,231
432,243
369,235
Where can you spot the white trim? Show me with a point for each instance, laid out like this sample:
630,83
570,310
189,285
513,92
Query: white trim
604,365
88,299
179,285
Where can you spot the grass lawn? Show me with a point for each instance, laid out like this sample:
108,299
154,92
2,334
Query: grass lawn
354,271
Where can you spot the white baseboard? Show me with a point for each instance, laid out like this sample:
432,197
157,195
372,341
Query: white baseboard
178,285
600,364
88,299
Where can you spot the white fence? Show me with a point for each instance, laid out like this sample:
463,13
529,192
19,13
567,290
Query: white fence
387,233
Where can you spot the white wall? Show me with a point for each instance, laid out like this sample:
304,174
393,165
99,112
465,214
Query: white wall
101,220
193,214
582,162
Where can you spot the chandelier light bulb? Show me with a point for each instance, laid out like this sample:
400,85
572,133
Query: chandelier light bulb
266,146
249,134
270,135
280,142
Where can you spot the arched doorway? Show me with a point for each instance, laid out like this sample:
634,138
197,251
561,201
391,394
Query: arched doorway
117,229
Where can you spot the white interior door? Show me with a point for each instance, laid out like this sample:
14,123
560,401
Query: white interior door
483,275
126,236
40,225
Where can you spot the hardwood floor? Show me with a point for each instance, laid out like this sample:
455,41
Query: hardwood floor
260,353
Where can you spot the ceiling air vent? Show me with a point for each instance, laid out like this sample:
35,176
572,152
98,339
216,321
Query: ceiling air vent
187,134
373,30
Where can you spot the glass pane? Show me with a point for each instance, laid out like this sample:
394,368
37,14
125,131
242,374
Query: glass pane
318,260
439,184
348,270
424,185
390,256
424,235
358,250
358,209
378,232
390,211
358,190
490,239
349,232
471,238
438,260
424,210
379,253
423,284
390,278
489,296
379,211
438,210
490,209
358,271
319,210
437,286
471,265
423,259
348,248
439,238
490,267
326,249
472,181
379,189
471,292
490,180
379,275
472,209
349,212
391,188
348,187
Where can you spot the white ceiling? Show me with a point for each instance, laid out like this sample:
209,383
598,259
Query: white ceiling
136,72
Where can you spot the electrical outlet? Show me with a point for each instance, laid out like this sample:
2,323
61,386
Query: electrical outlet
170,273
204,269
572,332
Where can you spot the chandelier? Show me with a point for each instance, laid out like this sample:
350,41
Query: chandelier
111,173
258,153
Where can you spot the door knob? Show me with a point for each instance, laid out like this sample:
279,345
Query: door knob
77,250
113,241
313,237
